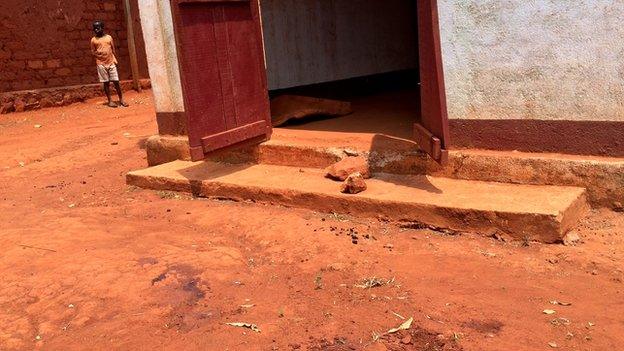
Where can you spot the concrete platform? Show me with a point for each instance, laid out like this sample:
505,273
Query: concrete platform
603,177
543,213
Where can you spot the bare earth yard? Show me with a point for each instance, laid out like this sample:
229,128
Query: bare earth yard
88,263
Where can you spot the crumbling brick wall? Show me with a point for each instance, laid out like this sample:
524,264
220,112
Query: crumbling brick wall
45,43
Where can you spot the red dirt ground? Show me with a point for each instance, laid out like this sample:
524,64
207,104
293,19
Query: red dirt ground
88,263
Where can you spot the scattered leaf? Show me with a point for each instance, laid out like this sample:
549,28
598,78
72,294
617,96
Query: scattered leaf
404,326
398,315
553,345
253,327
38,125
560,321
318,281
555,302
247,306
549,312
373,282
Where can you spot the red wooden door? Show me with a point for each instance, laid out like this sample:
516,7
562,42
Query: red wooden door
432,133
221,59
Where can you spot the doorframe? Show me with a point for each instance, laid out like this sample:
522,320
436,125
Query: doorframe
432,132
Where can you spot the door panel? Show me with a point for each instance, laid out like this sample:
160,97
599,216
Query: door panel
432,133
221,59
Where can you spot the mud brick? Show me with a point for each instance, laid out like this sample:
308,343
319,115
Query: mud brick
16,65
55,63
35,64
5,55
108,6
63,71
14,45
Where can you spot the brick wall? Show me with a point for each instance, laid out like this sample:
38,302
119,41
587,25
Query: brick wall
45,43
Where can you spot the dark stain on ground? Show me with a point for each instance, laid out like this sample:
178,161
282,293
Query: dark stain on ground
191,286
159,278
146,260
486,327
183,290
415,339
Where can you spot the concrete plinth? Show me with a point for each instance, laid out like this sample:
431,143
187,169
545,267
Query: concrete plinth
603,177
542,213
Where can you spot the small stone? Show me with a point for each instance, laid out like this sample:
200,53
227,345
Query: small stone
618,207
349,165
38,126
7,107
553,345
406,340
389,246
571,239
350,152
354,184
20,105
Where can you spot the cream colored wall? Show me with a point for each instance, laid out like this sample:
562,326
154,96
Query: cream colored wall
503,59
162,58
534,59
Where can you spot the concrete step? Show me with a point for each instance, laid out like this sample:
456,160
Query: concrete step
543,213
603,177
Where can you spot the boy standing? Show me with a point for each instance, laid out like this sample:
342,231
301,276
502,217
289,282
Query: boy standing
103,49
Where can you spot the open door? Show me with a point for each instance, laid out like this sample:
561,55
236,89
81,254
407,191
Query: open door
221,60
432,133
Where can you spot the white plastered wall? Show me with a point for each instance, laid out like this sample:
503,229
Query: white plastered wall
162,58
534,59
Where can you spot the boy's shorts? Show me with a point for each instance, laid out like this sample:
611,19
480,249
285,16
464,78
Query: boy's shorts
107,74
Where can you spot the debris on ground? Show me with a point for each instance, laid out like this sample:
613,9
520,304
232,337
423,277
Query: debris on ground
555,302
549,312
318,281
487,253
414,225
354,184
251,326
373,282
288,107
404,326
571,239
553,345
560,321
618,207
347,166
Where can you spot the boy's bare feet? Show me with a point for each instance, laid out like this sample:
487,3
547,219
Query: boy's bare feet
123,103
111,104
